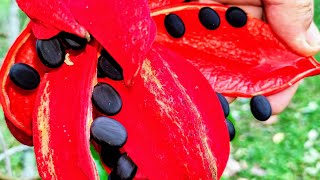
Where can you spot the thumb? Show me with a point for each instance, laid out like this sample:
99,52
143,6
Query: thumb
292,21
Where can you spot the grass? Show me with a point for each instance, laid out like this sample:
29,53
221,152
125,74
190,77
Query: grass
284,150
286,158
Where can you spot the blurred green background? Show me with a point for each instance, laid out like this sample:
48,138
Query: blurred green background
288,147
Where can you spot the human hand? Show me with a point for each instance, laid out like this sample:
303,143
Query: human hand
292,21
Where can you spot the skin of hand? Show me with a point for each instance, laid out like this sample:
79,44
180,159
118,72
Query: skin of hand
292,21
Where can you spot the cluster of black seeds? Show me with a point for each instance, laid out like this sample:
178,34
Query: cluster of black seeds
208,17
107,132
226,109
51,53
110,134
260,109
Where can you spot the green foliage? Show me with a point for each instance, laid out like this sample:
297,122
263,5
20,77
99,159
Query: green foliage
101,171
4,8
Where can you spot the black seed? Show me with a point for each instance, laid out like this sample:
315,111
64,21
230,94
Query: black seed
126,169
108,67
260,108
99,73
50,52
71,41
106,99
107,131
110,155
224,103
24,76
174,25
209,18
187,1
231,129
236,17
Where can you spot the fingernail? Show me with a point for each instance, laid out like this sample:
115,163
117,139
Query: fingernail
313,36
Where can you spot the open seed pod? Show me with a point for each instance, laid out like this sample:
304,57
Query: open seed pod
98,72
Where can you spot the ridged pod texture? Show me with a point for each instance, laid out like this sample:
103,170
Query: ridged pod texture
177,122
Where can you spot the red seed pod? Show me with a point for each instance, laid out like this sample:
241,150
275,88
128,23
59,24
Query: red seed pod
18,103
165,112
246,60
174,121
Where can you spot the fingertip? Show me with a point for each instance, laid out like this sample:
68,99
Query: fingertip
292,22
230,99
307,43
282,99
313,37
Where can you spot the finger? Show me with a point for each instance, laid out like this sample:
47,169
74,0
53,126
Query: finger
282,99
230,99
242,2
252,7
237,2
292,21
254,11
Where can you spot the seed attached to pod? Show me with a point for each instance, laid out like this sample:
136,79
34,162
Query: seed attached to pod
224,103
24,76
50,52
110,155
174,25
71,41
125,169
209,18
236,17
107,131
231,129
106,99
260,108
108,67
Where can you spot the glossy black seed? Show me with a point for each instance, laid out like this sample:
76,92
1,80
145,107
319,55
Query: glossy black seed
24,76
125,169
260,108
108,132
110,155
174,25
50,52
71,41
106,99
231,129
209,18
224,103
187,1
108,67
236,17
